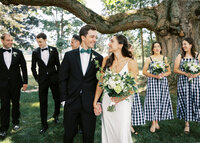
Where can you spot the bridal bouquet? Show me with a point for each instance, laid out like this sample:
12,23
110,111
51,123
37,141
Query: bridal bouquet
117,85
158,67
191,67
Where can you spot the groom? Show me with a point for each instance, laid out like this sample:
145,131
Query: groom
78,84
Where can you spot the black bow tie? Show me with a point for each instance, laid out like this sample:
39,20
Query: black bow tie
7,50
44,49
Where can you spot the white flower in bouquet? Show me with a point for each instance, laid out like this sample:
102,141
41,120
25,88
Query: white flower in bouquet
111,84
189,64
191,67
122,85
117,89
158,67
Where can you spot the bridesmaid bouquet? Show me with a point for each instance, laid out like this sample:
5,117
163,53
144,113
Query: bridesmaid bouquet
116,85
158,67
191,67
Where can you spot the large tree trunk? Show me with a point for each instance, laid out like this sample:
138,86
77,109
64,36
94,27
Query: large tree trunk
185,22
171,45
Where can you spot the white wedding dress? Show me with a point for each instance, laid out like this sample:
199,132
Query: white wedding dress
116,126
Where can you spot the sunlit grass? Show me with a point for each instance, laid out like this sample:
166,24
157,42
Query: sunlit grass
36,104
171,131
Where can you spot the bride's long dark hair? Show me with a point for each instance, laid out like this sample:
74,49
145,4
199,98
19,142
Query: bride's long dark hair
125,52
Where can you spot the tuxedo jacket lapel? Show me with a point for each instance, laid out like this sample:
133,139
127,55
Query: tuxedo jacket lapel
50,54
77,54
39,55
90,63
12,59
2,59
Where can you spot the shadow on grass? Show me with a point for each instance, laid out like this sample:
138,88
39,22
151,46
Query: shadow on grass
171,131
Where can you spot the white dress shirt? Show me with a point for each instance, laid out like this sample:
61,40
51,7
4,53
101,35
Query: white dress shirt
85,57
45,55
7,58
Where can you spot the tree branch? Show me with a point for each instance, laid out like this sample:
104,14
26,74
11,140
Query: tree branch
143,18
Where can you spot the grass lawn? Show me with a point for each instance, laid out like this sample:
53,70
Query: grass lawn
170,132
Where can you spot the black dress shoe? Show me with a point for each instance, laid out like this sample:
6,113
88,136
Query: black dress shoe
43,130
56,120
3,134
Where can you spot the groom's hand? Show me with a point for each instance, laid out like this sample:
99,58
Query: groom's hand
97,109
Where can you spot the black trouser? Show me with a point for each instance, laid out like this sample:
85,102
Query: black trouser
43,97
9,93
72,113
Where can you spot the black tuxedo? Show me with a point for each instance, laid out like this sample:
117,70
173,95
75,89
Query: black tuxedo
78,90
47,77
11,82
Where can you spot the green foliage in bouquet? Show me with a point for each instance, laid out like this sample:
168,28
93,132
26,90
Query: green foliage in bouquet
158,67
191,67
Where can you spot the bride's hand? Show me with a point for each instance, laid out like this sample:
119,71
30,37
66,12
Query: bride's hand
117,99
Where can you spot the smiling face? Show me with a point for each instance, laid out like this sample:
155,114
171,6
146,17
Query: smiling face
90,39
7,42
156,48
186,46
114,45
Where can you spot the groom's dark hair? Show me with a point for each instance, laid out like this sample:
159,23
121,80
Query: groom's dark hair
41,35
84,30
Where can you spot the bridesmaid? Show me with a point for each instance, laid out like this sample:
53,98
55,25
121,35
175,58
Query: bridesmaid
137,113
157,105
188,103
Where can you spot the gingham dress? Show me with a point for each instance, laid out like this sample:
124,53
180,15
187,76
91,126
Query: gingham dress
137,113
188,102
157,105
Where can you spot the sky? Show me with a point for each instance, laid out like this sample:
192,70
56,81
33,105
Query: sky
95,5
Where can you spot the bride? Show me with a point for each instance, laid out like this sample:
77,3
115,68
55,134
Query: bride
116,126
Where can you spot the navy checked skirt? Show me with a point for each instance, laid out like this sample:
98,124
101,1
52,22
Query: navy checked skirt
157,105
188,102
137,113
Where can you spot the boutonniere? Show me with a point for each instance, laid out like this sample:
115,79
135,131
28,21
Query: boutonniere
51,50
93,57
14,54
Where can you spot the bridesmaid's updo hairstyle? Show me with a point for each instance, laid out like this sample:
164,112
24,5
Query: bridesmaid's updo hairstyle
156,42
125,52
193,49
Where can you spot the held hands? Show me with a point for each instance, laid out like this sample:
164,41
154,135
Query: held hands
194,75
97,109
160,76
117,99
24,87
189,75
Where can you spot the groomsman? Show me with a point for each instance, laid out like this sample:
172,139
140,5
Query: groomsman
47,60
12,64
78,85
75,42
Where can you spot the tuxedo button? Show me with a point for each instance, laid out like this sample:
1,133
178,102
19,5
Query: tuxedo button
81,91
47,73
